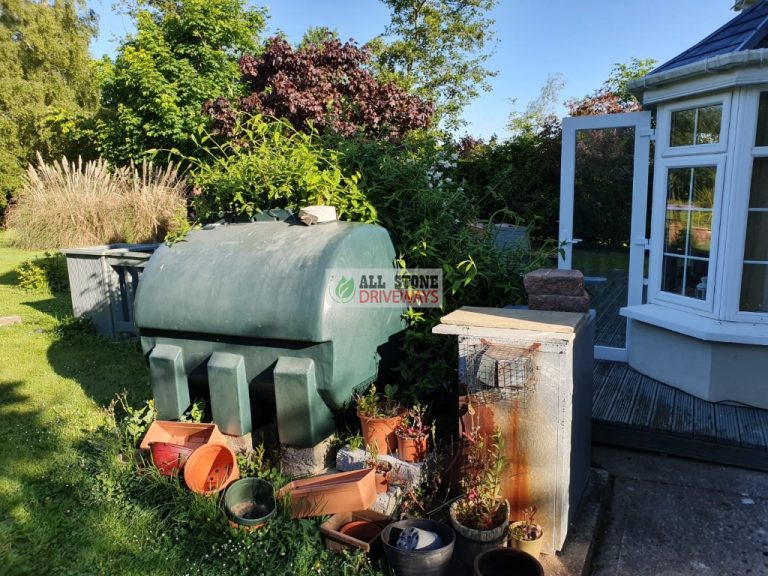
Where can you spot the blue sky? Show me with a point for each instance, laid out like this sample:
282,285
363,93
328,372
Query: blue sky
581,39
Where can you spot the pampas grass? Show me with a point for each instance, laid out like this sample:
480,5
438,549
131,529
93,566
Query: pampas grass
69,204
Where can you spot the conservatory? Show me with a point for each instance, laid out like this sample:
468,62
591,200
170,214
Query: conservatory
697,283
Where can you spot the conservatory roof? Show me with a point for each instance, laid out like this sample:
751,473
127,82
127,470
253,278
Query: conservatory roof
747,31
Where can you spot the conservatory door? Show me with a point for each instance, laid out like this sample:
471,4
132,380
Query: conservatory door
603,205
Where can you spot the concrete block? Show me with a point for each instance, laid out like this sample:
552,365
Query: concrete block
300,462
386,502
559,302
409,473
553,281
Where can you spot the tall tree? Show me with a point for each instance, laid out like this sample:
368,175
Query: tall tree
438,49
183,53
45,70
613,96
323,85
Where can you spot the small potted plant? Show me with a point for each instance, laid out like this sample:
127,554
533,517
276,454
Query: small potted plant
412,435
382,468
525,534
379,415
481,516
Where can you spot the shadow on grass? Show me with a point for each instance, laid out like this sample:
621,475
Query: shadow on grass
9,278
38,523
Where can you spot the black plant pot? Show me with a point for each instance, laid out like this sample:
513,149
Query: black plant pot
418,562
507,562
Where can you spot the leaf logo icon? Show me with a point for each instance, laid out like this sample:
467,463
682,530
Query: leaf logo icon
345,289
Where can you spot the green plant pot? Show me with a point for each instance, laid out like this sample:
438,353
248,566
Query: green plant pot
250,503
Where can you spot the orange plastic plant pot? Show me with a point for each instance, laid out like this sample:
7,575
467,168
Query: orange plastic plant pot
211,468
411,449
188,434
380,432
169,458
331,493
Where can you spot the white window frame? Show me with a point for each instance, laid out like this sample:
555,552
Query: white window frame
655,294
664,126
744,152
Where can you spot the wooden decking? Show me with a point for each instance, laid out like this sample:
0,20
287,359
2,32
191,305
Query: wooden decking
634,411
607,298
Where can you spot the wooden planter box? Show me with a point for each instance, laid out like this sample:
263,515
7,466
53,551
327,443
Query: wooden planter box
187,434
331,494
336,540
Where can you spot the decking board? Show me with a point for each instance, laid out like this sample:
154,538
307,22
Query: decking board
635,411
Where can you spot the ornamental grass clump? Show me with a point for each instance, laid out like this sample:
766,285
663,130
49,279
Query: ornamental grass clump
71,204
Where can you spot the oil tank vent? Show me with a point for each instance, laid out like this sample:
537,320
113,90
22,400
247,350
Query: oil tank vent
496,372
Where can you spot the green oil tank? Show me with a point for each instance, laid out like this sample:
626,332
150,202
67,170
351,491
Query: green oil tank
252,311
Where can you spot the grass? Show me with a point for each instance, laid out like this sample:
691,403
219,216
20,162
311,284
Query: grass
69,502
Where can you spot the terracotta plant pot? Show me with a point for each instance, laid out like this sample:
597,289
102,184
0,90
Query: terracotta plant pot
380,432
532,547
470,542
361,530
504,561
169,458
331,493
411,449
211,468
250,503
354,531
188,434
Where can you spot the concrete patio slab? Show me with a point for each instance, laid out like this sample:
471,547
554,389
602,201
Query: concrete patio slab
677,517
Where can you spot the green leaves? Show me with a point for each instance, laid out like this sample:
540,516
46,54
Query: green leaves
266,164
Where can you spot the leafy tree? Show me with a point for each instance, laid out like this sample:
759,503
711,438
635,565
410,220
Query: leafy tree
325,86
539,112
183,53
613,96
45,70
438,49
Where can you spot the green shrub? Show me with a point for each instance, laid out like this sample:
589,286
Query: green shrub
414,187
69,204
267,164
44,274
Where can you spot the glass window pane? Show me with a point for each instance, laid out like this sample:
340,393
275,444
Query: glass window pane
761,138
754,288
700,234
678,186
682,127
704,187
708,125
697,272
672,279
758,195
675,231
756,246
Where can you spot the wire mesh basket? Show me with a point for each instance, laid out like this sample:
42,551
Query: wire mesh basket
498,372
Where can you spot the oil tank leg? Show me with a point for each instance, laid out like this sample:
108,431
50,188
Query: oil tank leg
169,381
228,386
303,419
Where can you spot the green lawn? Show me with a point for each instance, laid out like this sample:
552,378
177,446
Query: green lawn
69,504
52,394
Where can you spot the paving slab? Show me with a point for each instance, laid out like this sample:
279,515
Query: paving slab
678,517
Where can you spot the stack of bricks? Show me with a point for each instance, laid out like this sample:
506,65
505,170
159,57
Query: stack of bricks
560,290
